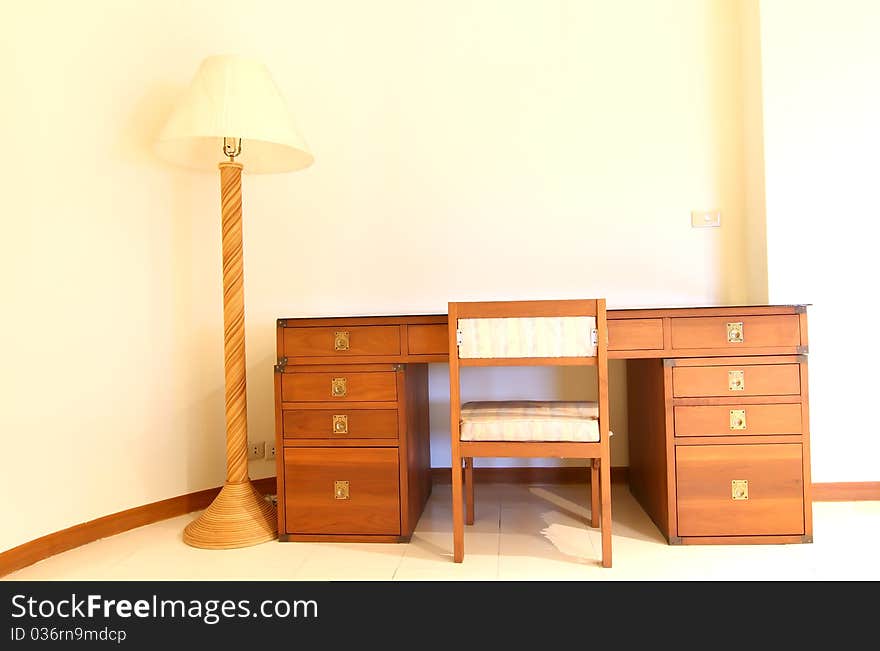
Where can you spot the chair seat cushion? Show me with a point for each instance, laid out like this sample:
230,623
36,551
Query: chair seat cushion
530,420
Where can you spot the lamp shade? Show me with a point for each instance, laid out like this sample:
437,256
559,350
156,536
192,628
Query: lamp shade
233,97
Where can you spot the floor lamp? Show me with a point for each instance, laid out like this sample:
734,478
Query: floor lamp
233,108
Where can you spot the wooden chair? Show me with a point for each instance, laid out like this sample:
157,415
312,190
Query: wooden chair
529,333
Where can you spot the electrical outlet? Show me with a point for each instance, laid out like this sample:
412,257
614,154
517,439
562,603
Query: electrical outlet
256,450
705,218
270,450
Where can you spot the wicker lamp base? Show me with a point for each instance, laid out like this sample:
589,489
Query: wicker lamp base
238,517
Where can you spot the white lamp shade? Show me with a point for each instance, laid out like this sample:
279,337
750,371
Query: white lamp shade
235,97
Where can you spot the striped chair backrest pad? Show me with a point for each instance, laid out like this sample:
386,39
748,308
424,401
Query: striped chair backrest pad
511,337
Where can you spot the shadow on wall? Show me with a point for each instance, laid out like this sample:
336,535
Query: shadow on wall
136,141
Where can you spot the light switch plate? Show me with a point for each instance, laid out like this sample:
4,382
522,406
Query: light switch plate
705,218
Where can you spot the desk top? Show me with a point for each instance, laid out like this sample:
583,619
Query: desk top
654,332
613,313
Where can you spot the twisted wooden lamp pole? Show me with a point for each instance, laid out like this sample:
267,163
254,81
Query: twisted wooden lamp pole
239,515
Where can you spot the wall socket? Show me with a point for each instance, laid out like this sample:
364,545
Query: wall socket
256,449
705,218
270,450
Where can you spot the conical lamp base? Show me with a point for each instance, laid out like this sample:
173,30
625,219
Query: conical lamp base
238,517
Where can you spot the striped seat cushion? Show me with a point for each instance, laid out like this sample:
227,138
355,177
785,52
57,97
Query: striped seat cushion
530,420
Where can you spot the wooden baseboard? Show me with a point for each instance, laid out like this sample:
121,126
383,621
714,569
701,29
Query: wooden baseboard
54,543
109,525
530,475
846,491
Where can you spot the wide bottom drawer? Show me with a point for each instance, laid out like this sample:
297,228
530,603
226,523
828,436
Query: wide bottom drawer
342,491
740,490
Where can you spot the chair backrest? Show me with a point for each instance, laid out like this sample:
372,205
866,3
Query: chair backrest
562,332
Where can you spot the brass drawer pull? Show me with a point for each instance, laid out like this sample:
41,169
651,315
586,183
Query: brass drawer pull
338,387
739,489
341,340
737,419
735,332
340,424
340,490
736,380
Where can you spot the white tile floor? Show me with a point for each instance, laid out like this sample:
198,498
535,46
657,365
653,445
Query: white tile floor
537,532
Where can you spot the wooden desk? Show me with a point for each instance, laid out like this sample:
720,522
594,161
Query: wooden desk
718,422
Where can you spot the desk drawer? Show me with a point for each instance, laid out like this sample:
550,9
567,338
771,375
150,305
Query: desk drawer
432,339
339,424
341,341
767,498
635,334
737,420
734,381
342,386
736,333
341,491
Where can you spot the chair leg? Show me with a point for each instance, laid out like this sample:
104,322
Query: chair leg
469,489
605,484
594,493
457,511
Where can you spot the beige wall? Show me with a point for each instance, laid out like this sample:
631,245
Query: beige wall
821,105
464,150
